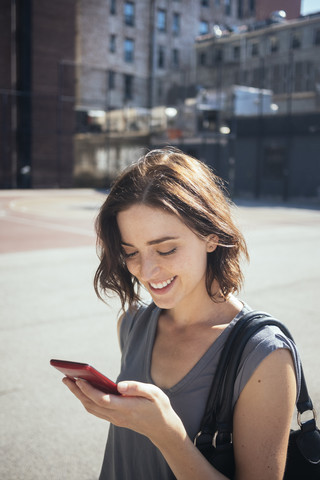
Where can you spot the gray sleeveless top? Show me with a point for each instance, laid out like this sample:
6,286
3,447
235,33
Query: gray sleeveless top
131,456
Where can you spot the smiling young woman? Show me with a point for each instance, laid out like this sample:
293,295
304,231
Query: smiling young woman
176,184
166,225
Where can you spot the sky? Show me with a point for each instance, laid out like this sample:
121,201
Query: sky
310,6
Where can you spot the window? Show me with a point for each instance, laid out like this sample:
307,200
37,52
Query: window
299,76
176,24
162,20
202,59
175,57
129,14
236,52
113,9
240,9
254,49
204,3
112,44
128,87
296,40
309,76
203,27
317,37
161,56
128,50
218,55
227,7
111,79
274,44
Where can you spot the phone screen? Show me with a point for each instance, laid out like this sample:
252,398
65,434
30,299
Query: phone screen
75,370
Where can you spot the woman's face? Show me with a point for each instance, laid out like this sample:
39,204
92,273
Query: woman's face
164,255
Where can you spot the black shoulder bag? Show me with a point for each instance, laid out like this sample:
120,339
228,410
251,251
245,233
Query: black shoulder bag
214,439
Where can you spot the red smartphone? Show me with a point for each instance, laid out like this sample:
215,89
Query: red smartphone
75,370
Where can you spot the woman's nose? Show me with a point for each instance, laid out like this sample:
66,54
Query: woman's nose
148,268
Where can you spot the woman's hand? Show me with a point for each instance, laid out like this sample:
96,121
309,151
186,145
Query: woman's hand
145,409
141,407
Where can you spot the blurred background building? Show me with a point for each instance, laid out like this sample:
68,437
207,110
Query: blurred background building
87,85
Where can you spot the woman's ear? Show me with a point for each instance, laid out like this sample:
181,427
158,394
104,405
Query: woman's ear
212,243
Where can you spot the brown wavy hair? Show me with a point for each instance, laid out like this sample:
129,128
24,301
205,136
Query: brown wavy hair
183,186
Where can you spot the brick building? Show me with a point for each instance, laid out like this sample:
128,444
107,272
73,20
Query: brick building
36,102
263,8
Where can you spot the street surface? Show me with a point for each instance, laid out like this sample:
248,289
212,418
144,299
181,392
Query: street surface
49,310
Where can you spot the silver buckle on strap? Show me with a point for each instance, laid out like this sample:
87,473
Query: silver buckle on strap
299,415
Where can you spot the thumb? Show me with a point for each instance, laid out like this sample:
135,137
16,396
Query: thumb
137,389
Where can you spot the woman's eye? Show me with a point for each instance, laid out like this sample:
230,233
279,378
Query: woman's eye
129,255
170,252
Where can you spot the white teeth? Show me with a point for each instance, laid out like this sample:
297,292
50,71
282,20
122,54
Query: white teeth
162,284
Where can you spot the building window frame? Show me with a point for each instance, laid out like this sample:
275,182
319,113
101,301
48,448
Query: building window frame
162,20
273,44
202,59
254,49
176,23
236,52
113,7
112,43
227,7
203,27
295,40
218,55
128,87
111,79
175,57
129,13
128,50
161,57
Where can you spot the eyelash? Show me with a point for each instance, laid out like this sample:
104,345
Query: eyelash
170,252
163,254
129,255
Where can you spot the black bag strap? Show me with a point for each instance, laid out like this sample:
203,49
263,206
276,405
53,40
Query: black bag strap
219,412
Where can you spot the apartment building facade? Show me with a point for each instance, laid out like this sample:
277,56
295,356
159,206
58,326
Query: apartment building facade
141,53
258,107
283,57
95,55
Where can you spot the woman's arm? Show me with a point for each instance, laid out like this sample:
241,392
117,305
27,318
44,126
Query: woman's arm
261,421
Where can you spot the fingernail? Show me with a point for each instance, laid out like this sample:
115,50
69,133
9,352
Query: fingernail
122,387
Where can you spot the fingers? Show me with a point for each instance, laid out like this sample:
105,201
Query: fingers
83,390
138,407
94,401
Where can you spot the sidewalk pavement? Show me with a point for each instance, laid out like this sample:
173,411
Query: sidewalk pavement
48,309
